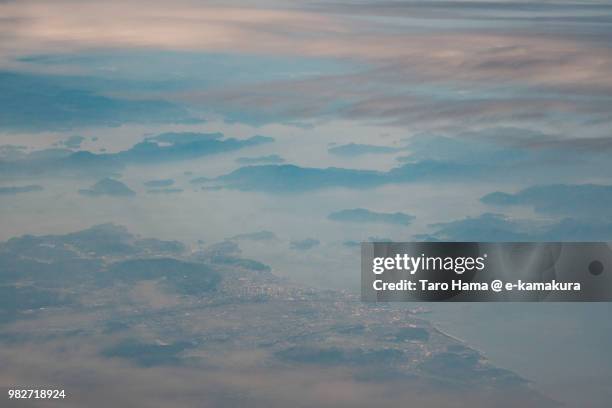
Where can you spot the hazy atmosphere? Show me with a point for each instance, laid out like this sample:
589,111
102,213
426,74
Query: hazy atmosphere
184,187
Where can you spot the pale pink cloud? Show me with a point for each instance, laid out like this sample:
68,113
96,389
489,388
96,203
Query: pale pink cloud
35,26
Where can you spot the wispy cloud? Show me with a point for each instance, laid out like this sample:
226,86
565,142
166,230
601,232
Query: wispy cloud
356,149
364,215
31,102
166,147
12,190
582,200
491,227
492,154
405,73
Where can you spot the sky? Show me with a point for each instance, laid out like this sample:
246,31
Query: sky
304,128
